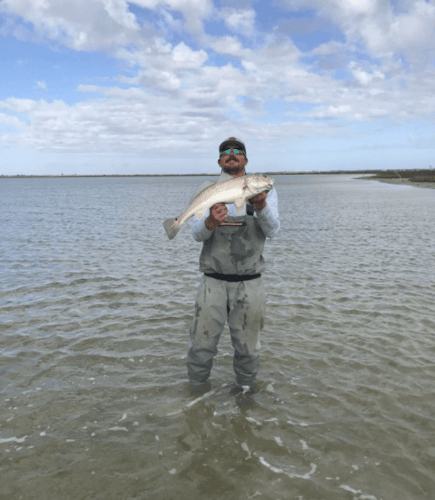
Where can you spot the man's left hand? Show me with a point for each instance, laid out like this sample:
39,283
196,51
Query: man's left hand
259,200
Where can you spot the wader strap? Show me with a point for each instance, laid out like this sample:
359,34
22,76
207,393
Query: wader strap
233,277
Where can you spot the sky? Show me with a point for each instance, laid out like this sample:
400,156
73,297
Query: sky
151,87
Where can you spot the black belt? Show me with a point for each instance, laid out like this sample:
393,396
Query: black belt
233,277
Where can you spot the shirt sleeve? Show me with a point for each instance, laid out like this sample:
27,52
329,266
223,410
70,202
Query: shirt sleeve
199,230
269,216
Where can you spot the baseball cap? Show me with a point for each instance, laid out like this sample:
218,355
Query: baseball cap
232,142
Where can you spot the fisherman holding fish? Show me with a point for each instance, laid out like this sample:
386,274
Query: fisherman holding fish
231,288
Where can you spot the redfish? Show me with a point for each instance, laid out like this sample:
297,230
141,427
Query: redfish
235,190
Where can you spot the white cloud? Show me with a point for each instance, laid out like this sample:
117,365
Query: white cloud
415,28
135,120
172,23
228,45
384,29
19,105
178,98
118,9
364,77
194,11
184,57
159,80
238,20
81,25
102,24
358,6
41,85
164,66
195,104
9,120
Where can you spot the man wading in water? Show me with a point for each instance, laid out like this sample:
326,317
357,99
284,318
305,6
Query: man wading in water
232,287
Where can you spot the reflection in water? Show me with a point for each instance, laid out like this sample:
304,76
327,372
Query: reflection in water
95,309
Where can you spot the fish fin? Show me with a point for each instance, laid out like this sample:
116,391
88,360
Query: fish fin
199,214
224,176
239,204
201,188
171,227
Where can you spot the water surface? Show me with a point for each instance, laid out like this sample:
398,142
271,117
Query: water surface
95,308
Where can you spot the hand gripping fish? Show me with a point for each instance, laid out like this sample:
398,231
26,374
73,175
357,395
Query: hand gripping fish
235,190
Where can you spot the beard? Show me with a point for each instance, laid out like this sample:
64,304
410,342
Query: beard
232,165
232,169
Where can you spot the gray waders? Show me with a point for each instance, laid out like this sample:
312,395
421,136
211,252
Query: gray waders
235,294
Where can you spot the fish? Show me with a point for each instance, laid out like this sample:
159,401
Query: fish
235,190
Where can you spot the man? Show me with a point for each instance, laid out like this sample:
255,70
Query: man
232,287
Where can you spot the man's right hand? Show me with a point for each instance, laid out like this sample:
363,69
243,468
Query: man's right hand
217,215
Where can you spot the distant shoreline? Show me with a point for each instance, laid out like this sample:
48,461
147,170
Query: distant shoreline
165,175
412,177
401,182
424,178
313,172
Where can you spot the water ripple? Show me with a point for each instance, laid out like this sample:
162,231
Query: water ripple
95,309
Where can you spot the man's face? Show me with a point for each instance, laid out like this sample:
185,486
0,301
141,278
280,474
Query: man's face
233,164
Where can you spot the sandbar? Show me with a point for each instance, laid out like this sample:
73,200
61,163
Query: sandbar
403,182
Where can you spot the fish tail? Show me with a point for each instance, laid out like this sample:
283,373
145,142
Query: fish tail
171,227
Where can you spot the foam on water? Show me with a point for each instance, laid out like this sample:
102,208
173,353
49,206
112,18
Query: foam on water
12,440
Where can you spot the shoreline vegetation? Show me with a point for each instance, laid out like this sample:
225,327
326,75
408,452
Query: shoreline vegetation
414,177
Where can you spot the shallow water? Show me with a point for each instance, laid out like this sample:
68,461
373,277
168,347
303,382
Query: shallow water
95,308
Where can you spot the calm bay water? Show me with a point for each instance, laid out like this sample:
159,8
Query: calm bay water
95,309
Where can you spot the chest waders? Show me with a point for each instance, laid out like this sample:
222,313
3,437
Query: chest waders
235,249
231,290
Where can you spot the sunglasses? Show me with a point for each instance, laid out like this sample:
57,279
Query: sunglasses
234,150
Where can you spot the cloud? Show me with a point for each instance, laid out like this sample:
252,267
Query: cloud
18,105
238,20
383,28
193,11
174,96
134,120
119,10
80,25
364,77
9,120
159,80
165,66
182,102
228,45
